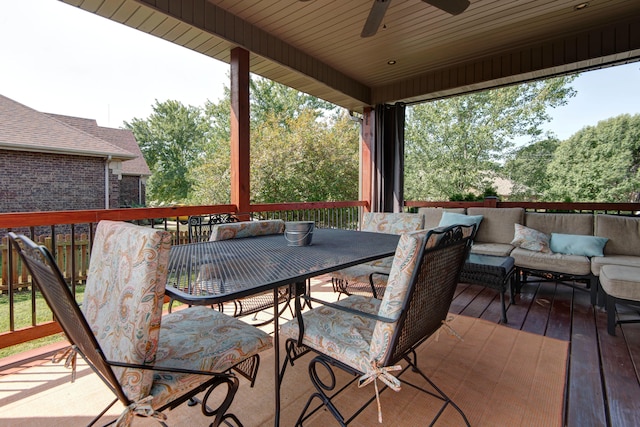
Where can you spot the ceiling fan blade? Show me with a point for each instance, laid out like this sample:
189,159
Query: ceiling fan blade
376,14
454,7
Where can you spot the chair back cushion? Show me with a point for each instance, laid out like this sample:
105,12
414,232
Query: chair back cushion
623,233
432,216
421,284
237,230
402,270
124,295
392,223
498,224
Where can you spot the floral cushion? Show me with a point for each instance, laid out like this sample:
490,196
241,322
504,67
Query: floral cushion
237,230
200,338
123,297
380,222
360,273
391,223
404,264
356,340
528,238
342,335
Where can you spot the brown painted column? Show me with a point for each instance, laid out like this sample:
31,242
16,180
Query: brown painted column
366,156
240,135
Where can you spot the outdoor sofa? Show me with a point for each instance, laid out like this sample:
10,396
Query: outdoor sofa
558,246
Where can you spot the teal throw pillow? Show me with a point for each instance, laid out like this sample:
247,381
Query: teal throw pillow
451,218
575,244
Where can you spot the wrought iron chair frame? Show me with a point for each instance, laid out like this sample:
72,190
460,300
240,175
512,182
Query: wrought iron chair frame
408,335
47,276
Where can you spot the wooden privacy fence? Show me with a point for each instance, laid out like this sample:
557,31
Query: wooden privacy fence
72,257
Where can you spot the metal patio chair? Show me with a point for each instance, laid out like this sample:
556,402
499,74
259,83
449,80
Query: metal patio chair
367,337
370,278
149,361
253,304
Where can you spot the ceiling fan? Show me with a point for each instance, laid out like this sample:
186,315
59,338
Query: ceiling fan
376,14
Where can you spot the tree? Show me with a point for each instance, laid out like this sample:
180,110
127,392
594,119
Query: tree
302,149
456,145
598,163
172,140
527,169
315,160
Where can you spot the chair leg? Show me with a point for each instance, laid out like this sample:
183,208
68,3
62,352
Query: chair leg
440,394
220,413
321,388
611,315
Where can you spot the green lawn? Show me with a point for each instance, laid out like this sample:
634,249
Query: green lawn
22,306
22,303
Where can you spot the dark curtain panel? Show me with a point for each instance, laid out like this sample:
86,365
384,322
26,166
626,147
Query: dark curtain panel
388,182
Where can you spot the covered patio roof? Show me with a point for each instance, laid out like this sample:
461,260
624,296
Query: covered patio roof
316,46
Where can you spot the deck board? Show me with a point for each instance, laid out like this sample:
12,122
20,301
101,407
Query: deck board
603,381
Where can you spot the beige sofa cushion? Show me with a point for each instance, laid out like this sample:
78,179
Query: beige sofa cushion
497,249
564,223
623,233
497,224
559,263
597,262
432,216
621,282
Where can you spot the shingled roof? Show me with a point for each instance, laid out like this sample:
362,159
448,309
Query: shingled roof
122,138
25,129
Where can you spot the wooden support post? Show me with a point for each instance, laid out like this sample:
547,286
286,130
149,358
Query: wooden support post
240,135
366,152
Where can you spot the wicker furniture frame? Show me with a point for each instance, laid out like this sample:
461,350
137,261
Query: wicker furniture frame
424,309
494,272
47,276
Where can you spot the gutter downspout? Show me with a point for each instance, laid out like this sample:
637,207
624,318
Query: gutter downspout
106,182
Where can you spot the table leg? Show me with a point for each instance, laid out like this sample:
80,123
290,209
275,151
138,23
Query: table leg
276,357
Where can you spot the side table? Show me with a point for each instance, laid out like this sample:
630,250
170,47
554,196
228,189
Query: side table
492,271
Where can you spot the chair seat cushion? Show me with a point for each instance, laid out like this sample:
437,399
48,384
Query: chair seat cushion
360,274
203,339
560,263
341,335
497,249
625,260
621,282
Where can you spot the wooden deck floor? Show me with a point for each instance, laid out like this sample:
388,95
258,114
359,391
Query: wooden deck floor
603,385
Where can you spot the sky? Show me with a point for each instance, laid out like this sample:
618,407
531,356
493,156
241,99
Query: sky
58,59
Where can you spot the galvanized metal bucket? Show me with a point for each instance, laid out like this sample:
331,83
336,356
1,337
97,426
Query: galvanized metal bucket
298,233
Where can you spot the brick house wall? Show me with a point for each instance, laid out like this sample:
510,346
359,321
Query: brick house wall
130,191
33,181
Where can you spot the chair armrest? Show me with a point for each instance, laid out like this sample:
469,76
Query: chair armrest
160,368
352,310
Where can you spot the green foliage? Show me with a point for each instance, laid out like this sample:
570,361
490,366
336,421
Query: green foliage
473,197
172,140
598,163
455,145
302,149
527,169
315,160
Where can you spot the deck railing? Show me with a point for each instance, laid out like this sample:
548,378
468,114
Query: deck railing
68,235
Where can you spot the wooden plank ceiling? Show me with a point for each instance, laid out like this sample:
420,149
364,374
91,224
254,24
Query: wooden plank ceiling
315,46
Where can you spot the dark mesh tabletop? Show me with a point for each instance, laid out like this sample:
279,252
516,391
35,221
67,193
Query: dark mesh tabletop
211,272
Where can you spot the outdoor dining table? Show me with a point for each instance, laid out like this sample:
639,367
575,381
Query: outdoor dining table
238,268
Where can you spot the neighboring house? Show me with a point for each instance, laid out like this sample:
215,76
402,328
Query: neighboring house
52,162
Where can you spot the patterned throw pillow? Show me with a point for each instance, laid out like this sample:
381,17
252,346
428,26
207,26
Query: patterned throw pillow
528,238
